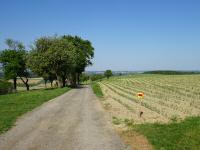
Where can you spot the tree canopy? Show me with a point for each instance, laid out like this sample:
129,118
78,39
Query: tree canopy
108,74
62,56
13,60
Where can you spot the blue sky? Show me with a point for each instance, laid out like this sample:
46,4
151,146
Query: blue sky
126,34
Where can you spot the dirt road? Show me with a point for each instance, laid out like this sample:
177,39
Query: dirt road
73,121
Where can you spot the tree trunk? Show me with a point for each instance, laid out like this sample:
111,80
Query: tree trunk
45,83
78,78
26,83
15,84
27,87
51,83
63,83
74,80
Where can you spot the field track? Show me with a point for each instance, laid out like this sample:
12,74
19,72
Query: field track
73,121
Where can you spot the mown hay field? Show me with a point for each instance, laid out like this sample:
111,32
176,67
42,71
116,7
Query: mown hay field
166,97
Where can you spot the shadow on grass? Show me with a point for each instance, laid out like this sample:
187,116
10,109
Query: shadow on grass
48,89
80,86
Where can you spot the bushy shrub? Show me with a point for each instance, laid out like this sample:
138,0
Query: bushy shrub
84,77
5,87
96,77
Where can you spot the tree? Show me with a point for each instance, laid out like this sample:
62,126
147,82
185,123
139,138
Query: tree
36,62
5,87
84,77
96,77
14,62
108,74
82,53
65,57
50,56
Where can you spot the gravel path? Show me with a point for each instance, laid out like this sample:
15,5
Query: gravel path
73,121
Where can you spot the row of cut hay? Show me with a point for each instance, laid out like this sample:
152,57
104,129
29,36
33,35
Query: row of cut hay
150,103
165,98
149,115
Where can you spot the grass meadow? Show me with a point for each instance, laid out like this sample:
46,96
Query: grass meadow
14,105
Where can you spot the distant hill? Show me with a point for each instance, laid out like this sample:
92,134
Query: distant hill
172,72
114,72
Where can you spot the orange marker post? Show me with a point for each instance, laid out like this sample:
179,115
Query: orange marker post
140,96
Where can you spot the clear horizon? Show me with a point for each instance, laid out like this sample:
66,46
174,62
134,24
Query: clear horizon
129,35
140,70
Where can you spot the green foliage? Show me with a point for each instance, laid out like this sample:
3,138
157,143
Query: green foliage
5,87
171,72
184,135
47,57
14,105
97,89
108,74
14,45
96,77
84,77
1,74
65,57
14,61
129,122
174,119
116,121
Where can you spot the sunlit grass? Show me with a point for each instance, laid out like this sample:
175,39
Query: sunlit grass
14,105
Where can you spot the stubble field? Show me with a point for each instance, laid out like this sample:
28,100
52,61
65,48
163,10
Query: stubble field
167,97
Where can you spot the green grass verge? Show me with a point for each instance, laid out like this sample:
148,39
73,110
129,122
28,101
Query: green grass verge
14,105
97,89
184,135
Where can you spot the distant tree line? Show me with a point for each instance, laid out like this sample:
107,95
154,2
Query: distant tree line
171,72
60,58
96,77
